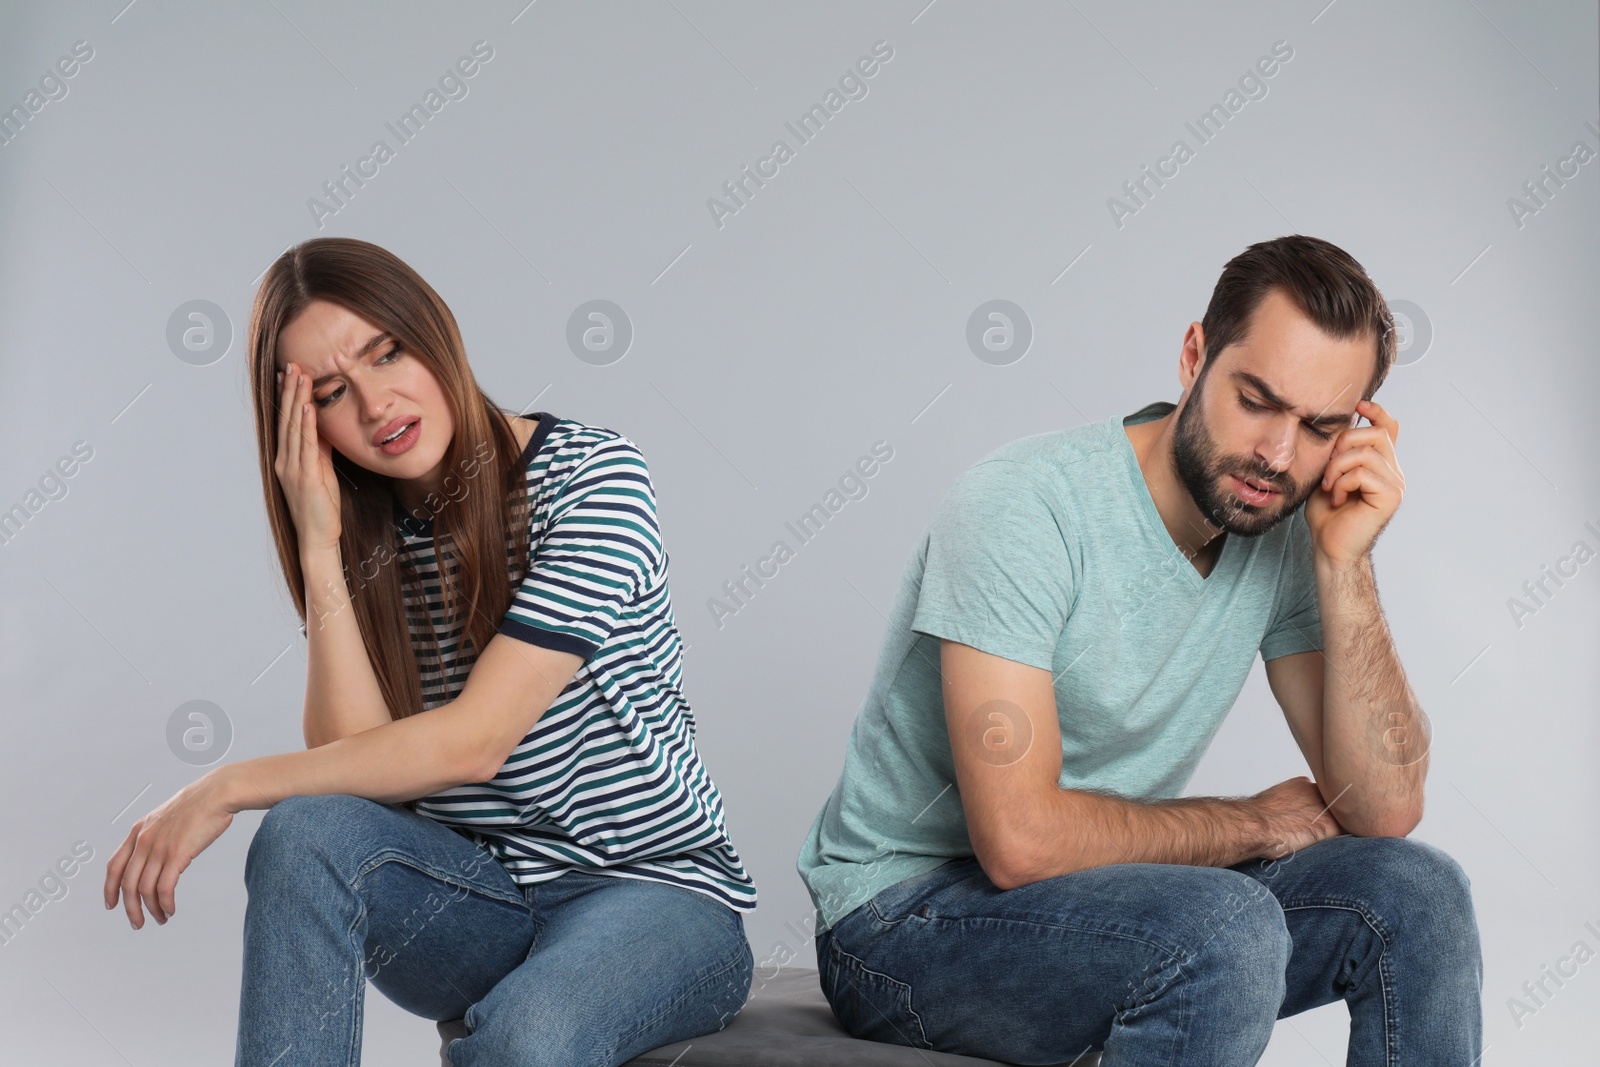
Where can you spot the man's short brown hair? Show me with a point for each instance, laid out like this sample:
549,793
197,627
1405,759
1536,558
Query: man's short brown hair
1324,281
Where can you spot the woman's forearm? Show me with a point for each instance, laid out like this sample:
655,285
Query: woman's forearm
398,761
342,693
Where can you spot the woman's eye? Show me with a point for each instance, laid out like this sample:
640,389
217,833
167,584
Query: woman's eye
383,360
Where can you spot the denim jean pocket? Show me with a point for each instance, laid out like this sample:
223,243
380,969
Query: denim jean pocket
869,1004
899,901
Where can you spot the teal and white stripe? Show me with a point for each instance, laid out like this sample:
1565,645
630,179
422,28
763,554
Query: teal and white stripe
609,779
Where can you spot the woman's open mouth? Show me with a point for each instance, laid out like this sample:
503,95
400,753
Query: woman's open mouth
402,439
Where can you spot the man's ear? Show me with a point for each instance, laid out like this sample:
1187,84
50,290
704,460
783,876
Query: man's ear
1196,341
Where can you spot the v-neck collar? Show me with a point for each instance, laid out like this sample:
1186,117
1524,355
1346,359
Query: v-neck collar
412,526
1147,504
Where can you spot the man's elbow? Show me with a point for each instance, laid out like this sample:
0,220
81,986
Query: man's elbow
1002,872
1393,822
1007,861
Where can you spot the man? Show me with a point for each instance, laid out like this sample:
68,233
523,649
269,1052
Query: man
1005,869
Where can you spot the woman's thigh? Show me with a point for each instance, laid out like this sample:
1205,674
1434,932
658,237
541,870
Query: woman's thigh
620,966
437,919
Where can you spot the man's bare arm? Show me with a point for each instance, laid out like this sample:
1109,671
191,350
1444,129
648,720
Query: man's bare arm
1006,742
1375,735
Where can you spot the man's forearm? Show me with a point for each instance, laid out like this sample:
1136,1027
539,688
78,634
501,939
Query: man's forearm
402,760
1093,830
1375,735
342,693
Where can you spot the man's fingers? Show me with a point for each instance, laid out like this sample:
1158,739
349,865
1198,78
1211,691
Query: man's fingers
1378,416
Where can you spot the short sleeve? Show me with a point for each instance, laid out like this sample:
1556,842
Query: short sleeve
998,574
1296,624
600,549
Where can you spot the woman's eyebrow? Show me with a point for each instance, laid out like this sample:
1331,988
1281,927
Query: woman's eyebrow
372,342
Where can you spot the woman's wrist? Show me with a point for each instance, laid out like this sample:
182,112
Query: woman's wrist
235,788
327,593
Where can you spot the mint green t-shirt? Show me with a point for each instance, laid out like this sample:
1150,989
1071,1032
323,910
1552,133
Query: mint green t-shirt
1049,551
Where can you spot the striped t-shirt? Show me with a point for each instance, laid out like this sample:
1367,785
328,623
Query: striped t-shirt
609,780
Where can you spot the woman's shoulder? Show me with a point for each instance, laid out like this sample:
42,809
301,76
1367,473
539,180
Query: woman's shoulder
568,442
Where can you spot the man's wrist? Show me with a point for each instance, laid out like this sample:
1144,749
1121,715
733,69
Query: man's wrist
1327,567
1256,837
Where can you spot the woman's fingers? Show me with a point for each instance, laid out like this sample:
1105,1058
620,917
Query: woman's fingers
130,887
296,437
147,888
284,406
114,868
167,889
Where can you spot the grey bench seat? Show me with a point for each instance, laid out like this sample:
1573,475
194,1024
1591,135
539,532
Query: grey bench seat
786,1023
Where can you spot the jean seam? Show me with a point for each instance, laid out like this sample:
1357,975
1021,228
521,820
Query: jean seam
1391,1011
859,963
358,995
871,902
389,854
1179,953
394,855
1180,956
738,962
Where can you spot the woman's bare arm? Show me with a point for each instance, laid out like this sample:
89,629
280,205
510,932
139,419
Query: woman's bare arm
342,693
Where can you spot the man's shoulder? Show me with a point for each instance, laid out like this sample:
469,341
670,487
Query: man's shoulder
1059,459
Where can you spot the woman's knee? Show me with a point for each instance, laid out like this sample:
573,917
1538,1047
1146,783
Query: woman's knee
300,825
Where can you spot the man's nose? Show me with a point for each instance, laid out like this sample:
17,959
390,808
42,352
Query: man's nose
1276,453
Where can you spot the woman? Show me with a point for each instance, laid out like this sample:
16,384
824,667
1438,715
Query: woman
501,814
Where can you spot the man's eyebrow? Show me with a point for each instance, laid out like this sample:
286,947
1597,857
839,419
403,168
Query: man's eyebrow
372,342
1276,401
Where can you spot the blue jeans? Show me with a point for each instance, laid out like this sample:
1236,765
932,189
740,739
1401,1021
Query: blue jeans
585,969
1164,964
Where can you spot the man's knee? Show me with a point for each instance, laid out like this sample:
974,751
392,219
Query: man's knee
1421,891
1247,934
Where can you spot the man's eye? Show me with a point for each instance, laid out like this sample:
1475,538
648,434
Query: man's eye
1250,406
1321,435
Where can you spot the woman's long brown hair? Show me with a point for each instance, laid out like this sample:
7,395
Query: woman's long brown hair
480,538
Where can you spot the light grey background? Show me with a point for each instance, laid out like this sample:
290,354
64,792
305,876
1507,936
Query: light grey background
770,354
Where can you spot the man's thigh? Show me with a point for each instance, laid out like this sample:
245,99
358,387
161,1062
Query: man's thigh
947,960
1349,901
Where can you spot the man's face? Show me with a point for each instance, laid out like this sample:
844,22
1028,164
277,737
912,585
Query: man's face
1268,410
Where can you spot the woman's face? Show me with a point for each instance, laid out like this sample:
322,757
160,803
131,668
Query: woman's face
364,388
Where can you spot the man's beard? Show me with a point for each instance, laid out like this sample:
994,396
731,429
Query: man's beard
1205,476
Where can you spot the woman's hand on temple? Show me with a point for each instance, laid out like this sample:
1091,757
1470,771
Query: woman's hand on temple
305,464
